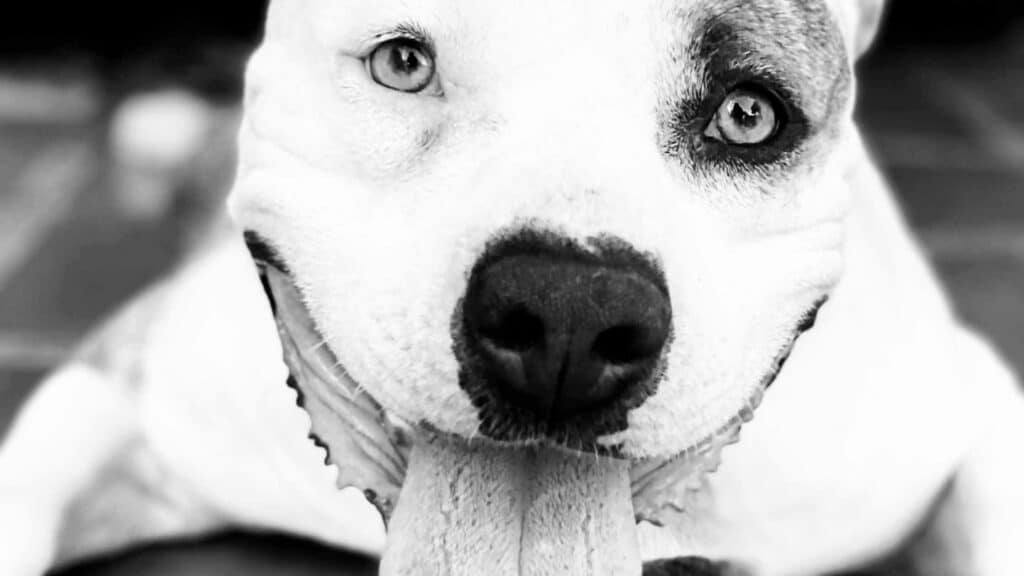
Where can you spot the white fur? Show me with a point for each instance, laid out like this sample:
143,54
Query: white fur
412,226
548,118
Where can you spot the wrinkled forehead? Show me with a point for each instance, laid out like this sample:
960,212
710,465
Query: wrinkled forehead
799,43
794,33
778,22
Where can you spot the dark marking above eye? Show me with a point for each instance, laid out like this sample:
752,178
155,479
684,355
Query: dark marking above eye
797,43
790,48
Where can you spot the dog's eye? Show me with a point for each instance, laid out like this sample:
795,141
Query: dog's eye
402,64
747,117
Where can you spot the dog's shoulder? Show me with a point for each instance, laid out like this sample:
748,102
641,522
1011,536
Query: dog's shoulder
206,313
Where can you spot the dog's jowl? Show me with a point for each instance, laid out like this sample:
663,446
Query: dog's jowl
559,288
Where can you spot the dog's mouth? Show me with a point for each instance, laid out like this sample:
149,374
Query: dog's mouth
432,488
371,448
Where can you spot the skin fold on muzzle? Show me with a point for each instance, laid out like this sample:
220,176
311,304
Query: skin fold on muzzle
379,456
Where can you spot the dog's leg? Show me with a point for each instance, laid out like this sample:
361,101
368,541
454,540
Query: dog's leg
74,458
979,528
73,425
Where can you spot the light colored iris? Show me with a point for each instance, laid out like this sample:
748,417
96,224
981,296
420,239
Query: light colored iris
745,118
402,65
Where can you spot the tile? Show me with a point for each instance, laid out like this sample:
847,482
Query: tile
887,107
15,386
19,143
86,267
909,91
894,96
992,76
959,198
989,295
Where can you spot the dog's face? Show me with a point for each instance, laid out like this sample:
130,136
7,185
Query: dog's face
596,224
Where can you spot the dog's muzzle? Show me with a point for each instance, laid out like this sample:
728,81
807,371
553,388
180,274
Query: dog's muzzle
556,333
622,288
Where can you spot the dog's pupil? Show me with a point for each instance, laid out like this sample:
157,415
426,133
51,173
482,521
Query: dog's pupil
405,60
746,116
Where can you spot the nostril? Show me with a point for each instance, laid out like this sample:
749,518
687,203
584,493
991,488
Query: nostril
518,330
627,344
551,333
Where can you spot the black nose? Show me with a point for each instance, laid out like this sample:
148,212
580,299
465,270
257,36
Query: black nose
562,332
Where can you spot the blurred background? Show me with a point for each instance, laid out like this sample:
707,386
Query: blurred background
116,151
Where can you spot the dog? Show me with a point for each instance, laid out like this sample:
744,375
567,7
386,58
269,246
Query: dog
642,242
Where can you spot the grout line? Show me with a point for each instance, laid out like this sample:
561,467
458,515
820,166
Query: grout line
40,102
895,150
971,244
996,137
41,198
994,133
27,351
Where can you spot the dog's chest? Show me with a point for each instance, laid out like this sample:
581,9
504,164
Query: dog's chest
830,474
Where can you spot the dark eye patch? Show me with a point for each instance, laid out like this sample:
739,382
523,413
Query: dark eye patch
687,126
791,49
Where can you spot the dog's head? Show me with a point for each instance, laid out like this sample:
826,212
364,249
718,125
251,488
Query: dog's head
599,225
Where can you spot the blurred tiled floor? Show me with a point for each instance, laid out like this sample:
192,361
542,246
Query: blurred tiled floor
949,128
66,258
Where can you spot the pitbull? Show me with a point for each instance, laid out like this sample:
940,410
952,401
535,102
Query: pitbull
531,268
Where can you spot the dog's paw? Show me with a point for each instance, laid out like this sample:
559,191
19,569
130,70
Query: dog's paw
21,561
26,544
692,566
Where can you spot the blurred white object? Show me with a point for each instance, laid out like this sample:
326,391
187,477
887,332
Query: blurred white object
165,143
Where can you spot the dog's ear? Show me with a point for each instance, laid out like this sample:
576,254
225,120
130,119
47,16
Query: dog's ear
860,20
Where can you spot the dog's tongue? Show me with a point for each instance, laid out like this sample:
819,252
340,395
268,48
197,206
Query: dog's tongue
474,509
477,508
463,508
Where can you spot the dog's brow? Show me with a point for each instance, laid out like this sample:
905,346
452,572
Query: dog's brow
362,37
408,30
